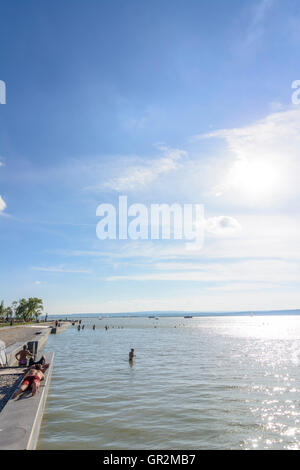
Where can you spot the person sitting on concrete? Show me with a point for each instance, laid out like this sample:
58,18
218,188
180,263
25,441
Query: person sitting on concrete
22,355
32,379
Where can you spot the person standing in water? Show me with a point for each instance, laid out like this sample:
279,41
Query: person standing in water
131,355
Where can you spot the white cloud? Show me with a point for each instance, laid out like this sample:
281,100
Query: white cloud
264,162
201,302
60,269
222,225
2,204
137,177
262,236
269,271
254,32
244,287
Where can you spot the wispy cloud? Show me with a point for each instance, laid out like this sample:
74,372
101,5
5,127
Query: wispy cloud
2,204
60,269
137,177
255,29
261,237
222,225
245,287
270,271
265,159
133,120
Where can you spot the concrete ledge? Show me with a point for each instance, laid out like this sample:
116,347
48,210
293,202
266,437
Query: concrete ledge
34,346
39,341
59,329
20,420
11,351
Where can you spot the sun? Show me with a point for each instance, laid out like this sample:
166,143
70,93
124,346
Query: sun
254,180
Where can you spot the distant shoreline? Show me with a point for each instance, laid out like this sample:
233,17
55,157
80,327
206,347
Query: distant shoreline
179,314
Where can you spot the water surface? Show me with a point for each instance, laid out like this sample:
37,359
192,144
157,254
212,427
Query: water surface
200,383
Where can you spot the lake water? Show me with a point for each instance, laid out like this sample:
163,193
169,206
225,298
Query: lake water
209,383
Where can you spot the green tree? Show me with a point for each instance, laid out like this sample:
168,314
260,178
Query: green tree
26,309
22,311
34,307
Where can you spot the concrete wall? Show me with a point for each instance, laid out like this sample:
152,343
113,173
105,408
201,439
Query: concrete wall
11,351
39,341
20,420
59,329
35,346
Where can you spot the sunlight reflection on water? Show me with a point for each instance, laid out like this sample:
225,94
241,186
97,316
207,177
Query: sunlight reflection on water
209,383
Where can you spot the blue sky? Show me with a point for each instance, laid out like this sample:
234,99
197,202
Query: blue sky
164,102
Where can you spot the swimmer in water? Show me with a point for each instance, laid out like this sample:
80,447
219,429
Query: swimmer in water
131,354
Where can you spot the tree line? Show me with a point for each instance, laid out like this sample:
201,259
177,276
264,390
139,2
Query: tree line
24,309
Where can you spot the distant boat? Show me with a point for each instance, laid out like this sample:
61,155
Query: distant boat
156,318
100,318
188,316
151,316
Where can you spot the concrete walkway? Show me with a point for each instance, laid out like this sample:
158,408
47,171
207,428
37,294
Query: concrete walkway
22,333
21,418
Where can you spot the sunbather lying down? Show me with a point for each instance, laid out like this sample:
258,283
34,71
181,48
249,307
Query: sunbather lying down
32,379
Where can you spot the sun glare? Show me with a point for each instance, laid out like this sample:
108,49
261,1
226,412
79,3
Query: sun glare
253,180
